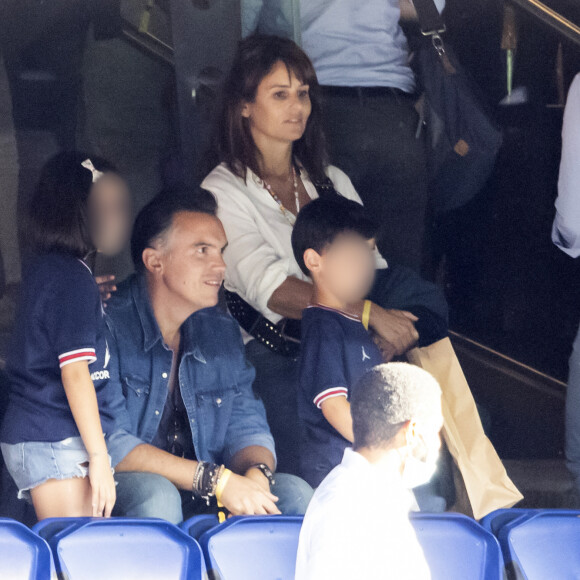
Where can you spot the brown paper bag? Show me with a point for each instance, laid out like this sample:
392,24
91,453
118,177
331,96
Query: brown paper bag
486,485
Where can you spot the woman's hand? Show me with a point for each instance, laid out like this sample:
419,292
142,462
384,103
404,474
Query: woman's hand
242,496
102,485
106,286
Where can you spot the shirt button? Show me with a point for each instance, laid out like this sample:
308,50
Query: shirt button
156,412
164,375
218,401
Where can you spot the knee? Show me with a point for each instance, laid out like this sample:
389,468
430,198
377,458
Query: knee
293,493
147,495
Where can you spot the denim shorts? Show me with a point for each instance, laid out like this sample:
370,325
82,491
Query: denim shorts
35,462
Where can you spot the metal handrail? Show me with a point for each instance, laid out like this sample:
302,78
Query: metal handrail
148,43
550,17
138,34
510,365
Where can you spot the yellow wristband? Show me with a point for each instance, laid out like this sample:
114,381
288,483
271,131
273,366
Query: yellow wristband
366,314
222,481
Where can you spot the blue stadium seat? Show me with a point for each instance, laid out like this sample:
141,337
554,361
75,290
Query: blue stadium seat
197,525
50,527
124,549
494,521
23,554
543,545
457,547
253,547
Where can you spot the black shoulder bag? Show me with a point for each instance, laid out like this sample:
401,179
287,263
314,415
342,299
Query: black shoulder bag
463,141
284,337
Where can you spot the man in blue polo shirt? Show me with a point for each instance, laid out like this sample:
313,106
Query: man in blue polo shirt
186,383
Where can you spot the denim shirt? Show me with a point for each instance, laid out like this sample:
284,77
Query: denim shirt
214,377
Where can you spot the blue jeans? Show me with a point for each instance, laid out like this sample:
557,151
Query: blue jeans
149,495
573,414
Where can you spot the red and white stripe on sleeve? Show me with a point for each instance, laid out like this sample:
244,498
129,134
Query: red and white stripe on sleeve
87,354
329,393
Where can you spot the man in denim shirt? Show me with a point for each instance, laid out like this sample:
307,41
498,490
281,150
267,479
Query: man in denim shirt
184,377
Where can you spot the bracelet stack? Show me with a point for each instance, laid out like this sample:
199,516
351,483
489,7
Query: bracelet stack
206,479
222,482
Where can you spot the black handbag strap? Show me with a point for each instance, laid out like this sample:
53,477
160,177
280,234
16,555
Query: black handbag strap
430,21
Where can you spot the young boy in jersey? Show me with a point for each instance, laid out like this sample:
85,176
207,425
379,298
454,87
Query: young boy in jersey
333,243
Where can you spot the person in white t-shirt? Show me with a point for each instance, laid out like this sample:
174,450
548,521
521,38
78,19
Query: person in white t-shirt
566,236
357,524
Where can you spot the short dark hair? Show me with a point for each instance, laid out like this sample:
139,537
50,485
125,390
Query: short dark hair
388,396
57,219
157,216
319,222
256,56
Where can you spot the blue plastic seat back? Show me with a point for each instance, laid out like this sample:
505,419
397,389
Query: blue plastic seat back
457,547
50,527
23,554
198,525
494,521
253,547
125,549
544,545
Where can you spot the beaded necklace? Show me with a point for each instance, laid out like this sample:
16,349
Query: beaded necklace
287,213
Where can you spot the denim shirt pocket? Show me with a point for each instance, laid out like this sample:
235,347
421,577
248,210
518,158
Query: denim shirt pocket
214,415
136,386
136,390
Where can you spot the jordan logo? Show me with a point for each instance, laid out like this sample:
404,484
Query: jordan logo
108,355
365,355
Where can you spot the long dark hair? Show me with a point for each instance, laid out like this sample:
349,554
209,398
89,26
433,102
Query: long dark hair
255,58
58,216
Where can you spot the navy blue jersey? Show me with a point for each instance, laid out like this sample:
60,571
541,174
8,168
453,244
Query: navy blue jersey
59,321
336,351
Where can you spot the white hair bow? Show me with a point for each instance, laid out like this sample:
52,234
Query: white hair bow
88,164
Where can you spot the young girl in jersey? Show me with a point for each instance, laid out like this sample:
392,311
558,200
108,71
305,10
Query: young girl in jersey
55,427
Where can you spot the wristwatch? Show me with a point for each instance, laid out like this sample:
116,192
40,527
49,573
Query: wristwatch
265,470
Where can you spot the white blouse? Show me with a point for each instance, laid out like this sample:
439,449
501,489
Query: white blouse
259,254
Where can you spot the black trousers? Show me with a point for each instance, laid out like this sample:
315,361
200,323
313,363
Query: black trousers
372,137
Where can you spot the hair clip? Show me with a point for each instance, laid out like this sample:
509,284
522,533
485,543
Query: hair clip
88,164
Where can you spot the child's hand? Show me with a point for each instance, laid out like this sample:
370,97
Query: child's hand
396,327
388,351
102,485
106,286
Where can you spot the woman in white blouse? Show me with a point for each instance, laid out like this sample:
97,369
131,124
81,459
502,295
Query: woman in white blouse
273,162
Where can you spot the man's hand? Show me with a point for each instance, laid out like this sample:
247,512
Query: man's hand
256,475
243,496
395,328
106,286
408,11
